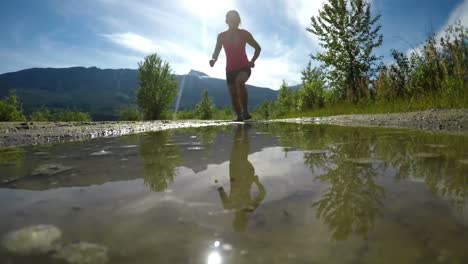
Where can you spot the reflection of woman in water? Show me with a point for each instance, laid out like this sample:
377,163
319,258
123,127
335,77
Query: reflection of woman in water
242,176
238,66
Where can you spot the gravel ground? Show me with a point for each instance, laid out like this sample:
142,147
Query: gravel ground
453,120
22,134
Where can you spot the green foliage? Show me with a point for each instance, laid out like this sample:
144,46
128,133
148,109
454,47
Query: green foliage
205,109
264,111
218,114
312,93
68,116
160,160
348,35
129,114
44,115
438,70
285,102
11,109
158,87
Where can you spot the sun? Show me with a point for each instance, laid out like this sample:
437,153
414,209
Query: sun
208,8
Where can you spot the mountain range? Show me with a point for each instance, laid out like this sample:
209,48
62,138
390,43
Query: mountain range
103,92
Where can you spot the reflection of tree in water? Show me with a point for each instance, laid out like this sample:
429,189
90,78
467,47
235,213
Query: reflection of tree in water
352,201
13,160
242,177
421,156
160,160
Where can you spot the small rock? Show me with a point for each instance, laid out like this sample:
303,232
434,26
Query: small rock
32,240
100,153
227,247
425,155
365,161
83,253
50,169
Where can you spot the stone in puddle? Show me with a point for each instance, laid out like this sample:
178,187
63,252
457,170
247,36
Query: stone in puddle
32,240
83,253
365,161
100,153
317,151
436,145
425,155
50,169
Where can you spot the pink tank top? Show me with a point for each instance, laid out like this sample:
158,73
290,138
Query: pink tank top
236,58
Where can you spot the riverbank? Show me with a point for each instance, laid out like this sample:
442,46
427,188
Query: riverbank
23,134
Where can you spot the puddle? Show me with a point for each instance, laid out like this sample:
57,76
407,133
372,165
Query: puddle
277,193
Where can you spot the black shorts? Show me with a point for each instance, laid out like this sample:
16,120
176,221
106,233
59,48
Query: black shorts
232,75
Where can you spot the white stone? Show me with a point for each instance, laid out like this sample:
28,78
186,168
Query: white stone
32,240
83,253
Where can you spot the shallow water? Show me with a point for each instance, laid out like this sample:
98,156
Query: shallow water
278,193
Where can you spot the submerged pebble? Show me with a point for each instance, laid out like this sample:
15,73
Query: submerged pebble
83,253
464,162
32,240
100,153
436,145
194,148
427,155
317,151
130,146
365,161
50,169
227,247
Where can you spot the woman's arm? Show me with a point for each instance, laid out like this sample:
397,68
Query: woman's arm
252,42
216,52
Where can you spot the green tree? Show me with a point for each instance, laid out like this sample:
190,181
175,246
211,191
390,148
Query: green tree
11,109
160,160
348,35
129,114
285,101
312,93
69,116
158,87
264,110
205,109
42,115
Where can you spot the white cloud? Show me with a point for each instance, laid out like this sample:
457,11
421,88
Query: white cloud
181,32
459,13
134,42
301,12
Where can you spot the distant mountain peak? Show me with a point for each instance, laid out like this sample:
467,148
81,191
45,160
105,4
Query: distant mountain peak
197,73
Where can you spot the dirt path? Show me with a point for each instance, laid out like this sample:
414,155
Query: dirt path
22,134
455,120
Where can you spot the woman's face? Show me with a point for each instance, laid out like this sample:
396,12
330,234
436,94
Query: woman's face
232,19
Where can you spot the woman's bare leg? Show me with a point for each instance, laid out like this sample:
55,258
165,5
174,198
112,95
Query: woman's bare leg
242,91
235,100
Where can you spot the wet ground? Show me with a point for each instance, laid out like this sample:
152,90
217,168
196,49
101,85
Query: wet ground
454,121
271,193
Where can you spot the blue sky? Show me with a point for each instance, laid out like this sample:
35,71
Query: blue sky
119,33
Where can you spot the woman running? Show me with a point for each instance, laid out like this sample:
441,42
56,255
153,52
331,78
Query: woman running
238,66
